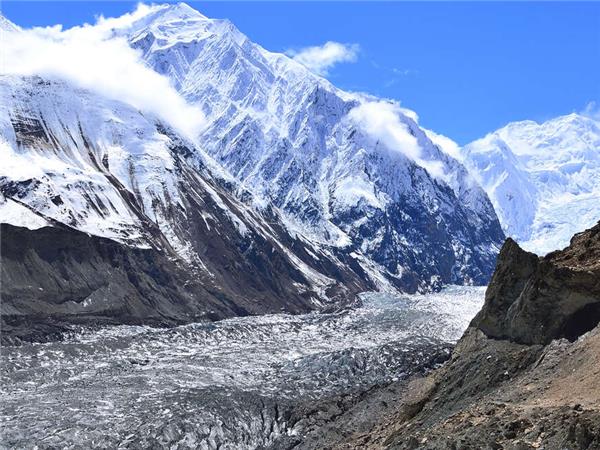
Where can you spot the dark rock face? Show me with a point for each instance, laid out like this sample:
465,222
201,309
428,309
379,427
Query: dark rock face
534,300
56,276
435,263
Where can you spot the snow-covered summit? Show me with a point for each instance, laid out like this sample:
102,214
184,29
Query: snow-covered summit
543,178
347,170
348,180
7,26
170,23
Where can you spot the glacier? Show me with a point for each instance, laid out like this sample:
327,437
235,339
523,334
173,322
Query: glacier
240,383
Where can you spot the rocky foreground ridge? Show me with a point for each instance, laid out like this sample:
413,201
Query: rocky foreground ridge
525,375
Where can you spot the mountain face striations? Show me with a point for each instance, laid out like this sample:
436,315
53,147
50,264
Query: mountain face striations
81,163
309,149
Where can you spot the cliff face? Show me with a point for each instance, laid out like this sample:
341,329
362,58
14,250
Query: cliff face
534,300
54,277
525,375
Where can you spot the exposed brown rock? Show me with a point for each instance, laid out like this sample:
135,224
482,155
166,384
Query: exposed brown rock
534,300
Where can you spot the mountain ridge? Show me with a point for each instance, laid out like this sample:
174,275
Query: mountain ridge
112,172
324,180
541,178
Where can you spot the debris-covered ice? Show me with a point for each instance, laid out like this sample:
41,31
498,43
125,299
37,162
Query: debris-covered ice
232,383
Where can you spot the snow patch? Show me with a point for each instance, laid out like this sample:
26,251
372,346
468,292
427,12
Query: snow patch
18,215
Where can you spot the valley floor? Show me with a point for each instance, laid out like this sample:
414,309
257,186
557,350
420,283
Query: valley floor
251,382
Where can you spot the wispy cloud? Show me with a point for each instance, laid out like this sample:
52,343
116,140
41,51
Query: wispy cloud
320,59
591,110
393,74
446,144
91,57
403,72
384,121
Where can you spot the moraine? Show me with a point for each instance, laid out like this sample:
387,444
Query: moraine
237,383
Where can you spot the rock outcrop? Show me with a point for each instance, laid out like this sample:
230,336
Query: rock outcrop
534,300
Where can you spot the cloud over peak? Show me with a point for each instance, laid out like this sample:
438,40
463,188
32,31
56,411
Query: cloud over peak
320,59
383,120
591,110
91,57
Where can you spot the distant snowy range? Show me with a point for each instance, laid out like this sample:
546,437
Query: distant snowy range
543,179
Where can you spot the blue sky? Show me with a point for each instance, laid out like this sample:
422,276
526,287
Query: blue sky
465,68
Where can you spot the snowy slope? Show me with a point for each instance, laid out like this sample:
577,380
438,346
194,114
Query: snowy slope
6,26
348,188
71,157
543,179
377,187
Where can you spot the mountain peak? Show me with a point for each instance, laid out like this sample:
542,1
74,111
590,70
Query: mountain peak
179,22
7,25
178,11
553,166
169,19
275,127
572,119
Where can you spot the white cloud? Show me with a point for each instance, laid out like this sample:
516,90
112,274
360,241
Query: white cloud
447,145
382,121
320,59
591,110
409,113
401,71
126,20
90,57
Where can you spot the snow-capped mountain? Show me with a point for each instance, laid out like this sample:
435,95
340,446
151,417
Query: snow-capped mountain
293,195
543,179
6,26
346,170
72,158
